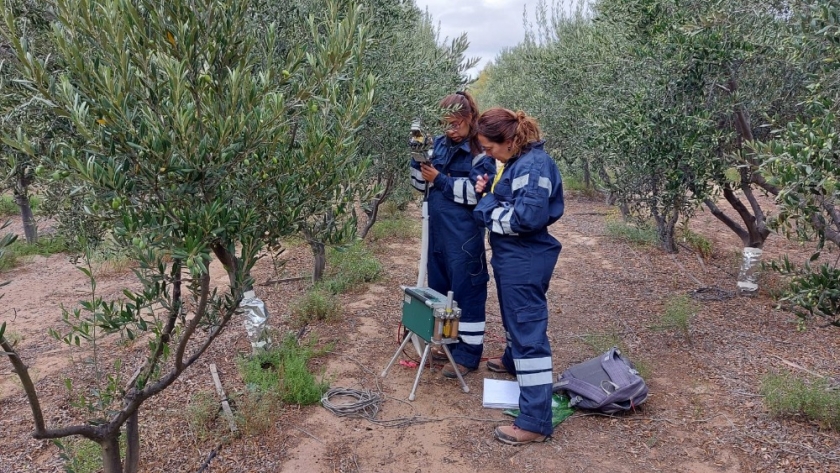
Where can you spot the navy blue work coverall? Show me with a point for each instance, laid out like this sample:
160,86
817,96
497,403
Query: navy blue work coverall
527,199
457,261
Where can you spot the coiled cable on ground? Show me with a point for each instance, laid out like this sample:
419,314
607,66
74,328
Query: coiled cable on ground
366,405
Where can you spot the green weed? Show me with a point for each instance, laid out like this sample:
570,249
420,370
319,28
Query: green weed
283,370
81,455
573,182
349,267
636,233
202,414
697,242
256,411
678,313
785,395
45,246
397,227
316,304
8,206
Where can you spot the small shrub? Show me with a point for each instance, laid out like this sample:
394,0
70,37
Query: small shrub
812,292
785,395
9,207
678,313
202,413
639,233
349,267
256,411
397,227
697,242
81,455
573,182
316,304
283,370
45,246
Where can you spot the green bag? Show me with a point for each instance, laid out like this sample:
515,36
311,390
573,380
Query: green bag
560,409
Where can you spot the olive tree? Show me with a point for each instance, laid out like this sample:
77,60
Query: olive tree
184,121
415,69
802,160
18,169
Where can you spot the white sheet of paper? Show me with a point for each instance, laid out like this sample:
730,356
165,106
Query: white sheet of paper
500,394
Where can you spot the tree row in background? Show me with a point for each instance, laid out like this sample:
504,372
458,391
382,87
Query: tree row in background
671,106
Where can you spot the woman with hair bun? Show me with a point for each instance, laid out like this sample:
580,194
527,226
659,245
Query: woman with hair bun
523,200
457,261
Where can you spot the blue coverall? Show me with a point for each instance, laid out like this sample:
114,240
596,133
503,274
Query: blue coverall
527,199
457,261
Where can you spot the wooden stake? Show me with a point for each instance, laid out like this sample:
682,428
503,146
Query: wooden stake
225,405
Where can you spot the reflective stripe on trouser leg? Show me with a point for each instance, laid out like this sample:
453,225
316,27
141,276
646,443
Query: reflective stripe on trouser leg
446,275
525,317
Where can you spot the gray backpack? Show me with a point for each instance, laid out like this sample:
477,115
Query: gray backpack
608,383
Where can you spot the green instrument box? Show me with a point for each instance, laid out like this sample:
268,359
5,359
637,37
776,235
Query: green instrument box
419,306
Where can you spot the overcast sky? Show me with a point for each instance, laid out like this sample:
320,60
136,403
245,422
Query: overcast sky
490,24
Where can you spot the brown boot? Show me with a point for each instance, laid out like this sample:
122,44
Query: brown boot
448,372
513,435
495,365
438,354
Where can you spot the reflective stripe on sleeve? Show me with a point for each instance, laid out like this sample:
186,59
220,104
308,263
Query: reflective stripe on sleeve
545,183
417,180
471,199
458,191
497,227
519,183
505,222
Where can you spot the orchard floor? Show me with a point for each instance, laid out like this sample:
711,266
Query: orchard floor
704,414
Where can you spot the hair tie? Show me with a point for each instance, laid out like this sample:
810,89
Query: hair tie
461,93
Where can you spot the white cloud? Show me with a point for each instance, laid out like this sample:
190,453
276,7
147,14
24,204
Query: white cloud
491,25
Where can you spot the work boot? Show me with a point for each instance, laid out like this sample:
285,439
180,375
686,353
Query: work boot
495,365
513,435
448,372
438,354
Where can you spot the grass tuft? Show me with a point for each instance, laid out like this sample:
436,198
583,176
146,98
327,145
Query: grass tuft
398,227
45,246
679,311
697,242
316,304
202,414
283,370
349,267
785,395
636,233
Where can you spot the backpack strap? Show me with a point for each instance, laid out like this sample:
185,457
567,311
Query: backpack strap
619,370
582,388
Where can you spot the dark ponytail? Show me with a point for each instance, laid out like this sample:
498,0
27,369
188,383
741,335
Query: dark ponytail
463,106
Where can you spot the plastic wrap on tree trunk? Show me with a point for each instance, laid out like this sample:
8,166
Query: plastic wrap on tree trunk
256,321
748,275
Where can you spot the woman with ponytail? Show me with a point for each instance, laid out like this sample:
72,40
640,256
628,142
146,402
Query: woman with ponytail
521,202
456,243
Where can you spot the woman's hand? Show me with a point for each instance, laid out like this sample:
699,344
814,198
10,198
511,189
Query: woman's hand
481,183
429,172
